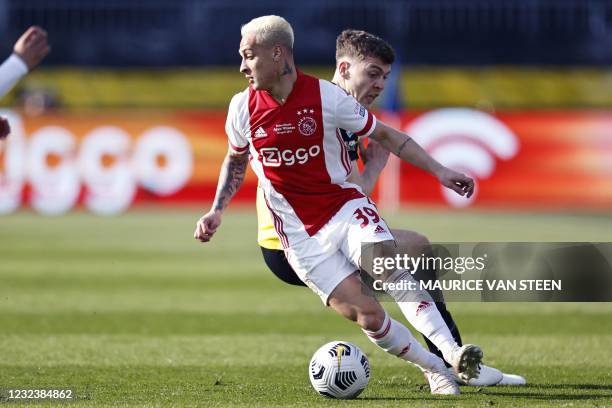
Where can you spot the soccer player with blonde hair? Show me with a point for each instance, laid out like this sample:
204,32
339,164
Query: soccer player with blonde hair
288,122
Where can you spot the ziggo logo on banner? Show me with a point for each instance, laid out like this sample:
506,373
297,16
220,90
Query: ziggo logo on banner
106,164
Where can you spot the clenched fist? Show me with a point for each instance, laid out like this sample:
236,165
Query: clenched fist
207,226
32,46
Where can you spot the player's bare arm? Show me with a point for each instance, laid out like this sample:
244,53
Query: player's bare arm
231,177
409,151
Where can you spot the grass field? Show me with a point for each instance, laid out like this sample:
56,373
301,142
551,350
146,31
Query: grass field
132,311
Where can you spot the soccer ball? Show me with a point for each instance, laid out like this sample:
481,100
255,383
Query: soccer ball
339,370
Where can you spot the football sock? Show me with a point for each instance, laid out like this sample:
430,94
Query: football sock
452,326
419,309
427,273
396,339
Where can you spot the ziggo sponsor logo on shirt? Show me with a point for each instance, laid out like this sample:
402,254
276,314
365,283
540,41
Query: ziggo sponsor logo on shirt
274,157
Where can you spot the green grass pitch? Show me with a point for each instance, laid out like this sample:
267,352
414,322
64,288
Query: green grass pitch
131,310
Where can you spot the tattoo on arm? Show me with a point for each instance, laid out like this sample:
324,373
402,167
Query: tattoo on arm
287,69
401,147
232,175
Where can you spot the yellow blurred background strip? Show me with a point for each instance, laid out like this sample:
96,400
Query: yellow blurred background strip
423,87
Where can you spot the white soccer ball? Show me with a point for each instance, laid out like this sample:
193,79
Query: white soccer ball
339,369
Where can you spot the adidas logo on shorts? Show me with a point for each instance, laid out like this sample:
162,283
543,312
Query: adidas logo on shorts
379,230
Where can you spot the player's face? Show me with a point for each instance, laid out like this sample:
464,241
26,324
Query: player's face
258,64
366,79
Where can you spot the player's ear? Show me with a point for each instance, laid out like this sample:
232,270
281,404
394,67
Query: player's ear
276,53
343,69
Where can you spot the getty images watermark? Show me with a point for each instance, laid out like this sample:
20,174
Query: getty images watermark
459,265
510,271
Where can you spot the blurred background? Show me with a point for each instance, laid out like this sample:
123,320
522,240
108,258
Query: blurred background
129,107
126,117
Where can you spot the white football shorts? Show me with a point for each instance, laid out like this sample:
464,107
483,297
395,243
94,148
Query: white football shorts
334,252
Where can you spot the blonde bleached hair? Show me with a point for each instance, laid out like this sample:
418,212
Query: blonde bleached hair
269,31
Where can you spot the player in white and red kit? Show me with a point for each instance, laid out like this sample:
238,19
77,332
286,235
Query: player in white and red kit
363,63
286,123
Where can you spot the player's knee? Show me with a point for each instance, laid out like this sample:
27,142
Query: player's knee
371,318
376,251
412,242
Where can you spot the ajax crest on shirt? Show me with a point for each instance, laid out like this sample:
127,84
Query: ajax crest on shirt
306,124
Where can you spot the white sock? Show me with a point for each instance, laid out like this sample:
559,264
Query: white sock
396,339
420,310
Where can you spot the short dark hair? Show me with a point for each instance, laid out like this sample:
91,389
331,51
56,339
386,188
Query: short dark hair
361,44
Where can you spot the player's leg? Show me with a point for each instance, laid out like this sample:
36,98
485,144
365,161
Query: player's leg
415,244
418,308
351,299
365,228
277,262
334,279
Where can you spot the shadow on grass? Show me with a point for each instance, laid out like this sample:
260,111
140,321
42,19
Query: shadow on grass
577,386
425,397
531,391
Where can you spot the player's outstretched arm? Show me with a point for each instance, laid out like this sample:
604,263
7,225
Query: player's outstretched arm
231,177
28,51
409,151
